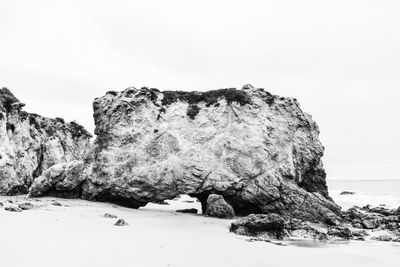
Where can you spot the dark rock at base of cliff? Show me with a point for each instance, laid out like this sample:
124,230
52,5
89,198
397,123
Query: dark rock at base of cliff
356,224
56,203
218,207
26,206
385,238
372,218
255,224
193,211
341,232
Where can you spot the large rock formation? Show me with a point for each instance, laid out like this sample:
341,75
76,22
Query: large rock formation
30,144
259,151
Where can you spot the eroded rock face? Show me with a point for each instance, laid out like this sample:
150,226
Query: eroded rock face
30,144
259,151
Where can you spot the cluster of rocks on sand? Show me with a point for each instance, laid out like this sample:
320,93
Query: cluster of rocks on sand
239,152
357,223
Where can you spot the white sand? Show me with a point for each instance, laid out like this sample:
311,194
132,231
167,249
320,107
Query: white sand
79,235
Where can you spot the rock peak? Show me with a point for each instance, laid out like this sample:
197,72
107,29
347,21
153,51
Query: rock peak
7,99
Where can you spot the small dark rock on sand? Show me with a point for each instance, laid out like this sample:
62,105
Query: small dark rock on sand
56,203
25,206
194,211
163,203
121,222
384,238
13,209
111,216
347,193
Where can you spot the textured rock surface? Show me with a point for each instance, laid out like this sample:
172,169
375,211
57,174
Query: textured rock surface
216,206
377,223
256,224
61,180
259,151
29,144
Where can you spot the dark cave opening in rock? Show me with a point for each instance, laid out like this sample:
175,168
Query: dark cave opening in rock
240,207
182,203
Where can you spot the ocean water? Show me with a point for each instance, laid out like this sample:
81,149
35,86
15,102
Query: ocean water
372,192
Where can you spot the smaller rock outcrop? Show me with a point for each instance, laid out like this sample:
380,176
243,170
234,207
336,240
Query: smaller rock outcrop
61,180
30,144
272,225
217,207
354,224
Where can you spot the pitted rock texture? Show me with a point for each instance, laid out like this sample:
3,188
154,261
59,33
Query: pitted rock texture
259,151
30,144
216,206
366,223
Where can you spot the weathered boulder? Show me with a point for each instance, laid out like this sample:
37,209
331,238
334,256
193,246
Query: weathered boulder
217,207
30,144
259,151
371,223
256,224
61,180
121,222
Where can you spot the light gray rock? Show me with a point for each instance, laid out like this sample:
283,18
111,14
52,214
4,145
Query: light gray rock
30,144
61,180
218,207
259,151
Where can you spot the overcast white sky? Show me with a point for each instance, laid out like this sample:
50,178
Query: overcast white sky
340,59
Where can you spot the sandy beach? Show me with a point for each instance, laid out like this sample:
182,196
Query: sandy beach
78,234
